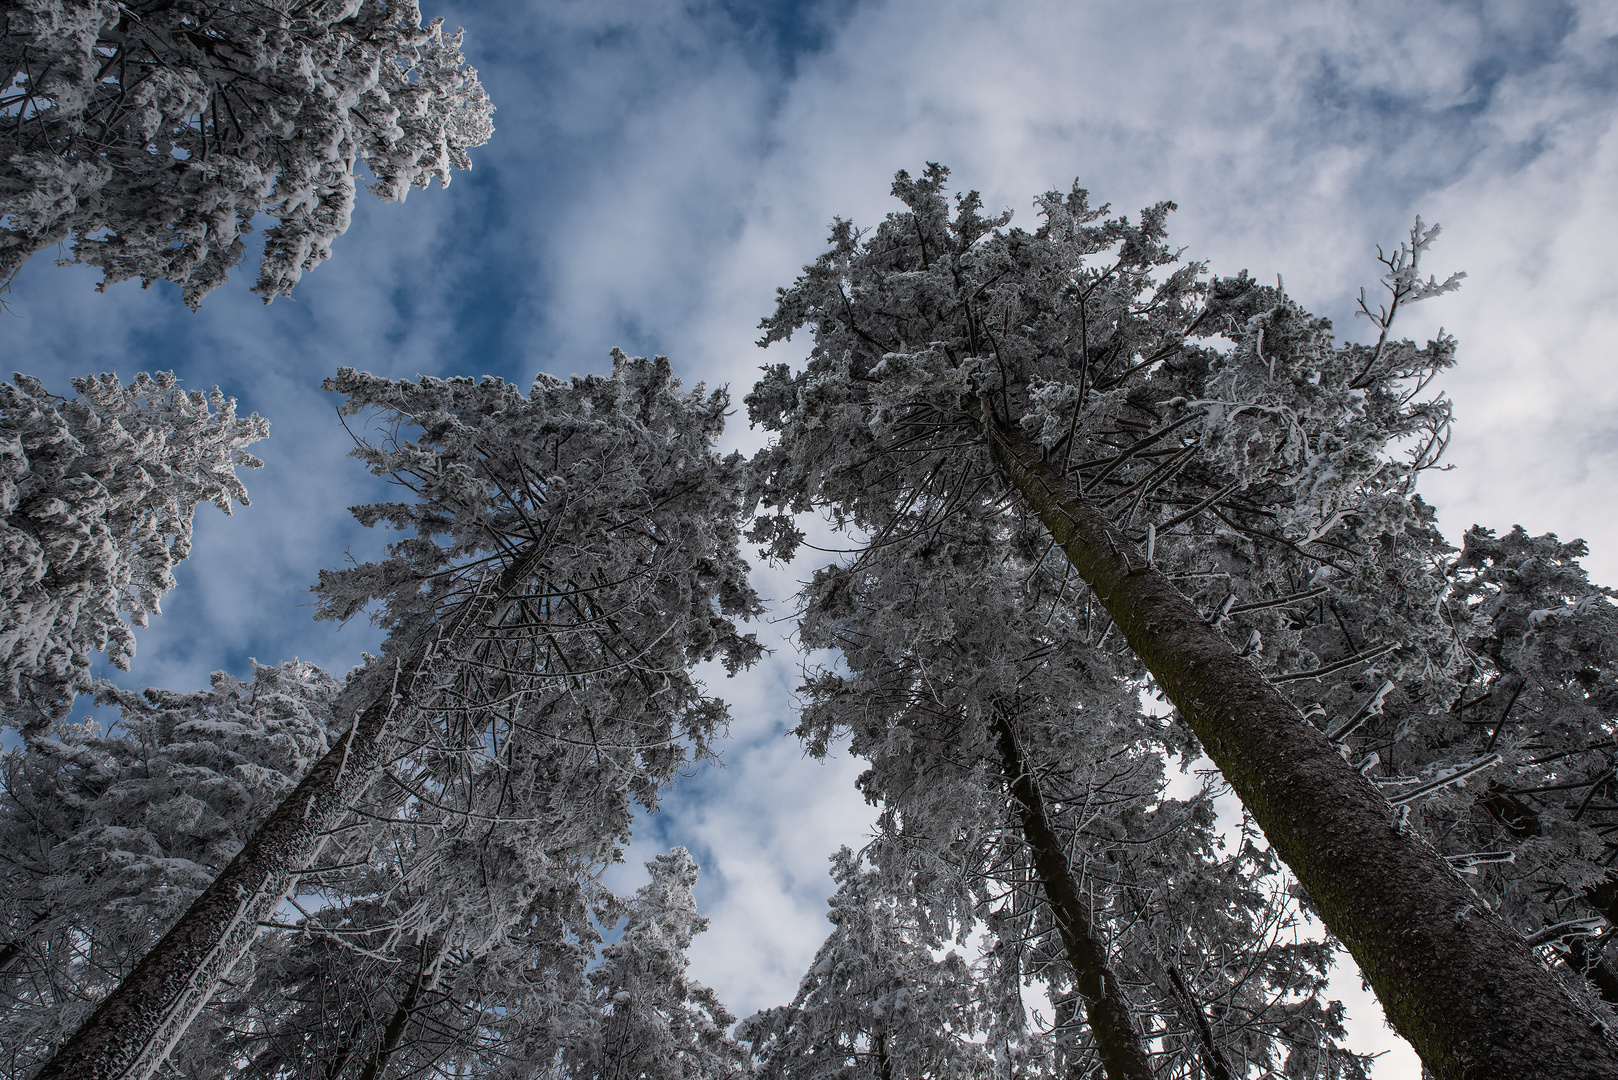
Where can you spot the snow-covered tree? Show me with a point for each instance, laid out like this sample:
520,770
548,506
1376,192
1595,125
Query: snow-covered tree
106,838
1159,423
97,494
876,1003
151,132
341,995
945,670
572,553
654,1022
1021,789
455,912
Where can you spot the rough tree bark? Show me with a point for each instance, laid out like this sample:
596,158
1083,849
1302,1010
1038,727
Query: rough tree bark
1117,1043
134,1029
1456,981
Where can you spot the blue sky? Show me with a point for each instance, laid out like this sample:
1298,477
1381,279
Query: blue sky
659,168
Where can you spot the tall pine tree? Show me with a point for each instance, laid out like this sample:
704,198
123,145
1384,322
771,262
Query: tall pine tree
106,837
1134,408
572,553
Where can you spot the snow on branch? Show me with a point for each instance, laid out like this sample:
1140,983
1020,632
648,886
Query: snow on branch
150,133
1447,778
97,494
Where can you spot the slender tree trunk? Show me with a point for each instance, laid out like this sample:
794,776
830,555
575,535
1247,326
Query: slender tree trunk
134,1029
1213,1060
393,1032
1122,1055
1456,981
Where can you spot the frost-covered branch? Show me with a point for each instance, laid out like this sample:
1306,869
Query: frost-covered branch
97,494
150,133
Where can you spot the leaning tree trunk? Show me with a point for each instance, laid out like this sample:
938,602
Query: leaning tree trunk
1455,980
1122,1056
132,1031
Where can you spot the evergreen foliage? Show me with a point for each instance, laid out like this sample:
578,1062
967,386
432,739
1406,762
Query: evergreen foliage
152,132
572,554
97,494
400,875
1021,791
876,1003
107,837
1236,490
655,1022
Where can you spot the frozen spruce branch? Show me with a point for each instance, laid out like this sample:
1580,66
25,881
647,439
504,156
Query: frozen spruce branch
147,134
1404,285
97,494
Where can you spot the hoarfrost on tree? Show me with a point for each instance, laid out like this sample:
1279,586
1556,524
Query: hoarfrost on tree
1021,790
106,837
655,1021
572,554
1512,777
97,494
353,990
150,133
876,1003
1228,481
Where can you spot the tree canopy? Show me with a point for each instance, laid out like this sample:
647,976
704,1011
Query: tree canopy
97,494
150,133
1076,476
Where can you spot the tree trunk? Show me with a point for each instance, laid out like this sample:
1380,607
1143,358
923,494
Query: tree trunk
393,1032
133,1030
1213,1060
1122,1055
1456,981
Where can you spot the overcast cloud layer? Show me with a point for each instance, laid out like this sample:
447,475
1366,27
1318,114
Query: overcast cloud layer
659,168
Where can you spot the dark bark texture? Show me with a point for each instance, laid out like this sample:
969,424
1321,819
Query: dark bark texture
1213,1061
133,1030
1117,1043
1456,981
